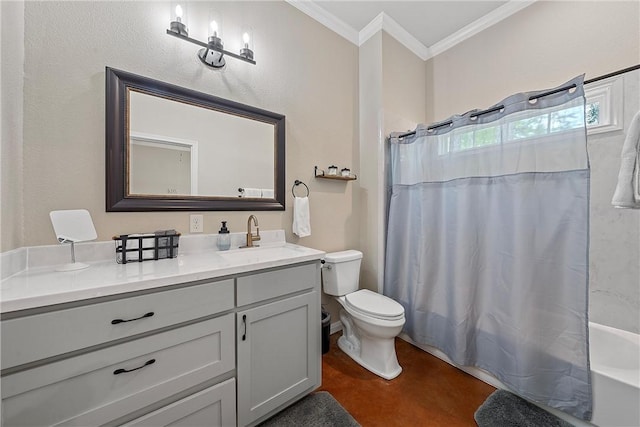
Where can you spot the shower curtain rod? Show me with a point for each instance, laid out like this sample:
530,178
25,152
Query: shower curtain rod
551,92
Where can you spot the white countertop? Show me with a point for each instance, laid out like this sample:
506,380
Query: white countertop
43,286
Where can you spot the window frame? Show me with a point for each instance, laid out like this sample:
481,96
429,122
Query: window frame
610,95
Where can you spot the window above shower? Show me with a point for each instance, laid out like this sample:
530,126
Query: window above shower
603,113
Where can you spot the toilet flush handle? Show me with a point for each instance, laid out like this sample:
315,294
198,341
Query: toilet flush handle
328,267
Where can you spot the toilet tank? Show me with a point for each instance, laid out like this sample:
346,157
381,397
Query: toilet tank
341,272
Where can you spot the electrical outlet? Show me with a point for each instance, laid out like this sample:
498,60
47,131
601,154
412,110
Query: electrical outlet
196,223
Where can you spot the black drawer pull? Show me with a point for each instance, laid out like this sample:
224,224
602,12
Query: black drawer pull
244,322
116,321
122,371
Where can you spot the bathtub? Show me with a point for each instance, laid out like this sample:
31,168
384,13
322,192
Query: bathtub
615,374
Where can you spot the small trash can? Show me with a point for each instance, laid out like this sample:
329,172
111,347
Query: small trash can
326,328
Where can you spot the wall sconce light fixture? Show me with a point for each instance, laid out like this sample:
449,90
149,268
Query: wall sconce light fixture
212,54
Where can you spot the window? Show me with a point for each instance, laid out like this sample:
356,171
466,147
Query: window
603,111
592,113
604,106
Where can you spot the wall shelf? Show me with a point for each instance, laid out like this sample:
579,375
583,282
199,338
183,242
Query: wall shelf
339,178
319,173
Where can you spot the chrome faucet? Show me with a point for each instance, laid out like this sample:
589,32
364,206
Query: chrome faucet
250,236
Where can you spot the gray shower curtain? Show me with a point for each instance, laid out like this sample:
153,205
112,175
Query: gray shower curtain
487,245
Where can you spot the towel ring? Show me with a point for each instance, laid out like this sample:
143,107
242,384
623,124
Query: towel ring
295,184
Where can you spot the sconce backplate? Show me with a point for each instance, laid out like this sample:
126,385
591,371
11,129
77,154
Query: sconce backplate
212,58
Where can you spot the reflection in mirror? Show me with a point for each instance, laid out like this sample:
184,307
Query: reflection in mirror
172,148
196,151
158,165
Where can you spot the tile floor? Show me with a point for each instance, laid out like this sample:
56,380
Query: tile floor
428,392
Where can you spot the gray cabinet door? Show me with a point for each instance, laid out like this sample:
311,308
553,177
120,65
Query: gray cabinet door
278,355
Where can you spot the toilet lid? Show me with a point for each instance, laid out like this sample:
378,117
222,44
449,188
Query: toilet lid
374,305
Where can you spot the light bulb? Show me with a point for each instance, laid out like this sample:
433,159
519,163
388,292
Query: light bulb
179,13
245,39
214,28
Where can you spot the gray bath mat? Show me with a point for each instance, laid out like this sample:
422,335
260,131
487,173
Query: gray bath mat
504,409
318,409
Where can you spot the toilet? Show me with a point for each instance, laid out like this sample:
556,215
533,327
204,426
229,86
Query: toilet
370,321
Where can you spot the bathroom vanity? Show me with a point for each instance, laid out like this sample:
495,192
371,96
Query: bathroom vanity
217,338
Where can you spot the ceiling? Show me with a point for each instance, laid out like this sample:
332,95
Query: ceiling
427,27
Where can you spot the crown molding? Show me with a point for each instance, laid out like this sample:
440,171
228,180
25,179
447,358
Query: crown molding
370,29
395,30
488,20
386,23
325,18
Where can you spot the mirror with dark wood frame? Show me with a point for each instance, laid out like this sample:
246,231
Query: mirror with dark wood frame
170,148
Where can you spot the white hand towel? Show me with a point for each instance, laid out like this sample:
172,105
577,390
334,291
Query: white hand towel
627,194
267,193
301,218
252,192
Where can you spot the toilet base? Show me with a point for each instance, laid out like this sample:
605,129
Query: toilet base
351,351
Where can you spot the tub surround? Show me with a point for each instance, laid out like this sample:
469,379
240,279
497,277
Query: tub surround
32,281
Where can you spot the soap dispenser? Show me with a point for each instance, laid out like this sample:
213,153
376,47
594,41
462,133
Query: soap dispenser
224,239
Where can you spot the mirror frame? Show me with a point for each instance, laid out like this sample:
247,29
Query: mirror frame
118,84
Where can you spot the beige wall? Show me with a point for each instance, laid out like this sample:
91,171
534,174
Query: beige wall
371,140
390,77
404,83
403,89
11,182
366,189
303,71
541,46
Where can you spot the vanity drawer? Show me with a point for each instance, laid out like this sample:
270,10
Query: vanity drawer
272,284
44,335
87,390
212,407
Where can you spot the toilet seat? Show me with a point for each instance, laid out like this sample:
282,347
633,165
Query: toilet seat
372,304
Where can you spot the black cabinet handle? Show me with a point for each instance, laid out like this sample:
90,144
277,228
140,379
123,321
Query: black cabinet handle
116,321
244,322
123,371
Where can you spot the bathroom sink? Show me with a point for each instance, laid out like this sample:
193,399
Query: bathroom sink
265,254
